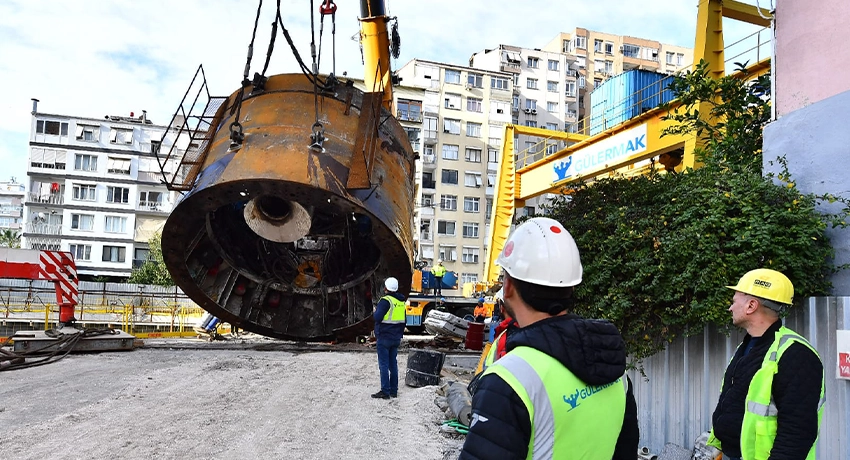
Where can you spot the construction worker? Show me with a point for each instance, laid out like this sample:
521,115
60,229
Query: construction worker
389,328
561,390
438,271
480,312
772,396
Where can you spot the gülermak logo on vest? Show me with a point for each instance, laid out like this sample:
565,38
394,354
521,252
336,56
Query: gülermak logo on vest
607,152
583,393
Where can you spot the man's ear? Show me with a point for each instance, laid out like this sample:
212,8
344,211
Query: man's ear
507,287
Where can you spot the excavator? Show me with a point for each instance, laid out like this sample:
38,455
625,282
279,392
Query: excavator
297,193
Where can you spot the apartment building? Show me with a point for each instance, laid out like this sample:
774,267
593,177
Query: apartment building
12,205
95,189
464,113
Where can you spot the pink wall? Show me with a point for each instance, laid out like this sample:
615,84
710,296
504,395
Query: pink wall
812,52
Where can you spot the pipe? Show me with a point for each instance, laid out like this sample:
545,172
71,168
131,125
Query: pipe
376,50
34,105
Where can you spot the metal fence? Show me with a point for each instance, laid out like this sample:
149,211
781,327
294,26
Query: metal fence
681,385
134,308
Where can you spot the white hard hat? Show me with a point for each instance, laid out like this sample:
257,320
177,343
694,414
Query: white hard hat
541,251
439,261
391,284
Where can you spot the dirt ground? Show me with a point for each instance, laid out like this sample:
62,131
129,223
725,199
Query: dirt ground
170,403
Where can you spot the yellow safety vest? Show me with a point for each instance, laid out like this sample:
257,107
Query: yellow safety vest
438,270
396,313
569,418
758,430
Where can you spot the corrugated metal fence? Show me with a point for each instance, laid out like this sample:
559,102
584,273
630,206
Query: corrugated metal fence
677,396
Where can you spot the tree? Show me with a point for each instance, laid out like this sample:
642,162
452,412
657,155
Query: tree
153,270
10,239
659,249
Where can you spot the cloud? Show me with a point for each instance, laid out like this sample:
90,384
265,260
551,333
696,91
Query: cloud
97,57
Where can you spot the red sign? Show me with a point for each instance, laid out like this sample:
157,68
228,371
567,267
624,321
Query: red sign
844,364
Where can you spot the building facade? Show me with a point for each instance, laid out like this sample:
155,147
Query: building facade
95,189
464,113
12,195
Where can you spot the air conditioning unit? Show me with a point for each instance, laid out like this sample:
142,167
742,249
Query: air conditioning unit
469,87
527,110
534,111
622,48
500,111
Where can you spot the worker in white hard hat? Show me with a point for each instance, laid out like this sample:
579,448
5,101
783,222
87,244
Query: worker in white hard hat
561,389
389,328
439,271
772,395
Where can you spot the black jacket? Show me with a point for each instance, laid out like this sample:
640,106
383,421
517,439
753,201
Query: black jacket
795,391
593,350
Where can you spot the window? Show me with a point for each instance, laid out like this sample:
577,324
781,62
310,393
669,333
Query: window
531,83
553,65
475,80
468,278
680,59
597,46
473,155
409,110
155,147
114,253
582,82
488,207
430,126
449,176
609,67
580,42
83,222
552,86
428,180
471,204
448,253
552,148
470,229
54,128
531,123
118,166
670,57
453,76
598,65
533,62
499,107
84,192
632,51
609,48
450,152
491,180
47,158
427,200
117,195
499,83
80,251
448,202
452,101
470,255
552,126
597,82
413,137
473,129
492,156
150,200
528,211
570,88
115,224
88,133
581,61
121,136
83,162
472,179
473,104
445,227
451,126
531,104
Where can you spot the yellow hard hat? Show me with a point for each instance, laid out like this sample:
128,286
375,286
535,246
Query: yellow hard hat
767,284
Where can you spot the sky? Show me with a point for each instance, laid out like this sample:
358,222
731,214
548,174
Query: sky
93,58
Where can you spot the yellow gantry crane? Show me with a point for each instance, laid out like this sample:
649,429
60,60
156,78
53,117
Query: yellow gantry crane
617,148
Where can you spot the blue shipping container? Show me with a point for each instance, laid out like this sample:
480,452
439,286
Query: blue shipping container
625,96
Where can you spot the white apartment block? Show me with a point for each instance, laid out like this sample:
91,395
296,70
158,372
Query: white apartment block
12,205
95,189
464,113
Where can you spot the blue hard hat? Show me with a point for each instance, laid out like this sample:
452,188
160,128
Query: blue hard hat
481,300
442,299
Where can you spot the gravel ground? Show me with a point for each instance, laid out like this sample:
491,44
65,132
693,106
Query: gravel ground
212,403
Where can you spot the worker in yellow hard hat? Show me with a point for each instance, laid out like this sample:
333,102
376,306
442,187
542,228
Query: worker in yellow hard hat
772,395
561,390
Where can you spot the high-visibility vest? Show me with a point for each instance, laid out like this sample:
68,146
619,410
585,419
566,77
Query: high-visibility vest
569,418
438,270
396,312
493,354
758,430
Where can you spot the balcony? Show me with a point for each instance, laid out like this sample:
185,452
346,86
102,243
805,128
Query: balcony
426,236
406,115
154,206
429,162
430,137
429,184
137,263
42,228
46,198
511,67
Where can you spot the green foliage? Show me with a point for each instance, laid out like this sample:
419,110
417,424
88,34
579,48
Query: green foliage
658,249
153,271
10,239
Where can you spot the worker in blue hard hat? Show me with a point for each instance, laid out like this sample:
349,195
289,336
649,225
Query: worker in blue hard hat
480,312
